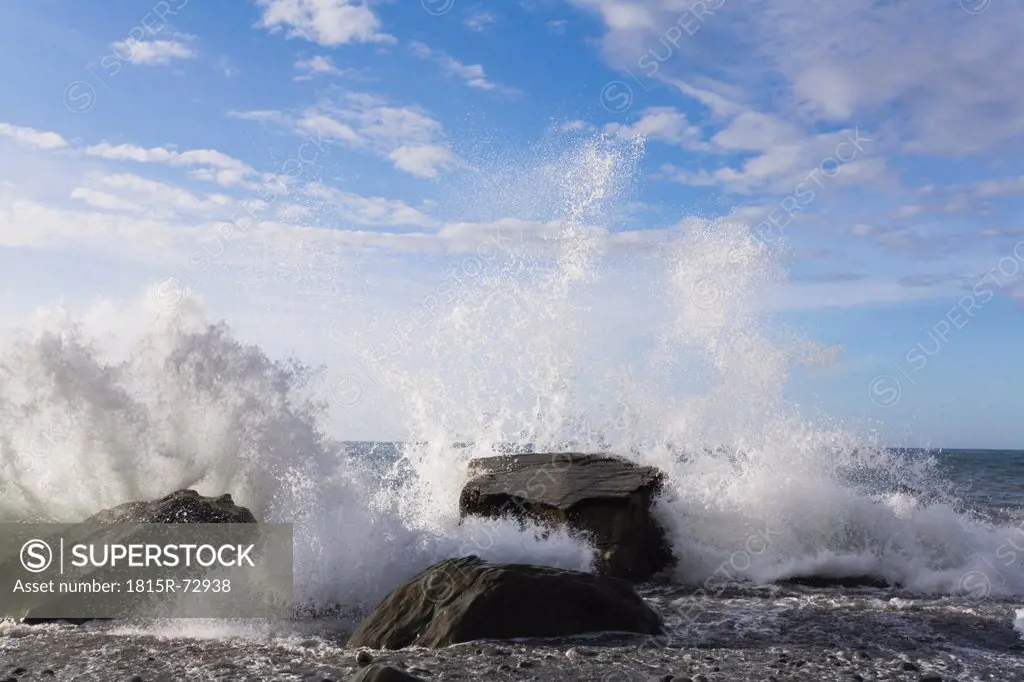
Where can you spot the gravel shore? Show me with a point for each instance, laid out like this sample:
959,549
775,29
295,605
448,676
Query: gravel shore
761,635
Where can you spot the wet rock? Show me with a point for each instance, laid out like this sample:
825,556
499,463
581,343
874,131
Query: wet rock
461,600
907,665
603,498
182,506
383,673
929,677
364,658
821,581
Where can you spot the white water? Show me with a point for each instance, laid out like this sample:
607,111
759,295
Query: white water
90,419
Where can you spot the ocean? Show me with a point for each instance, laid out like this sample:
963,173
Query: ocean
133,402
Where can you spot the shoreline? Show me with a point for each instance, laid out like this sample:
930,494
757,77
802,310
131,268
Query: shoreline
101,656
748,636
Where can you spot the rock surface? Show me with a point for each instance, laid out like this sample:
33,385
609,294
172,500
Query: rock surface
462,600
181,506
605,498
383,673
852,581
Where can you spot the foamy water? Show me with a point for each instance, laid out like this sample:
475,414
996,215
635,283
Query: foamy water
90,418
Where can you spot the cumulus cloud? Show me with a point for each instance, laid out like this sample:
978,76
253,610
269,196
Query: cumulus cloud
325,22
408,136
153,52
31,137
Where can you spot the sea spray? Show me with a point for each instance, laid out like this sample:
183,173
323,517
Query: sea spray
540,347
185,405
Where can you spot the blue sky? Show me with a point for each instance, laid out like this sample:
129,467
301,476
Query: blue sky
880,140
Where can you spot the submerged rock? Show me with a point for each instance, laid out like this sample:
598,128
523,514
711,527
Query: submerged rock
604,498
461,600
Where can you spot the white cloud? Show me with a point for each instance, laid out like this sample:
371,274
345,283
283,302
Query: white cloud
209,164
940,82
362,210
326,22
783,157
1000,187
480,20
32,224
720,99
422,160
626,16
665,124
206,164
909,211
153,52
754,131
33,138
473,74
322,124
323,66
408,136
99,199
161,196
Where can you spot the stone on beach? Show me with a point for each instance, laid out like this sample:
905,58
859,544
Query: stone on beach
467,599
383,673
606,499
181,506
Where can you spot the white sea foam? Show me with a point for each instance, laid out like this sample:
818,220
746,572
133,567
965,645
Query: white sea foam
525,354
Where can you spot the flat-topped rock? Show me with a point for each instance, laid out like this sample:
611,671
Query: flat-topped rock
604,498
591,477
467,599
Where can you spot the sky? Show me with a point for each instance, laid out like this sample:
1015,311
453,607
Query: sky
875,144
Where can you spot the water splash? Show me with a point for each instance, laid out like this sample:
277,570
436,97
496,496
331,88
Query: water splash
535,348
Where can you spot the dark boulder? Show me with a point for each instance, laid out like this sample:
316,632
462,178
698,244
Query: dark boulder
181,506
461,600
604,498
383,673
848,582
